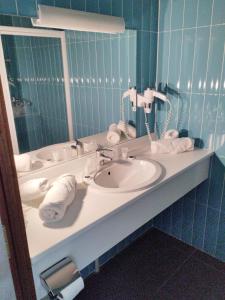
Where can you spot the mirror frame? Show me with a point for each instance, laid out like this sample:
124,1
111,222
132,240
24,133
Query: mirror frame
22,31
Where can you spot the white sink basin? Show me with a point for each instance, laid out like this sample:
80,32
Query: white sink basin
126,176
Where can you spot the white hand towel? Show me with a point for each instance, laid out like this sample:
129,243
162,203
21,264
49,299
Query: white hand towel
58,198
34,189
182,145
171,134
23,162
128,129
161,146
172,146
113,135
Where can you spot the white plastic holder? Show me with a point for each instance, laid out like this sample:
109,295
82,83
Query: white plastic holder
145,100
132,94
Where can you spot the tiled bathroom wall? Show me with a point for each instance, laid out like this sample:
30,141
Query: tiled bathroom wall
191,68
34,66
140,15
101,66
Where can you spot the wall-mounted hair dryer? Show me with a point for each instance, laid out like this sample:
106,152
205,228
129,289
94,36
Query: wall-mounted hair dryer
147,99
143,100
132,94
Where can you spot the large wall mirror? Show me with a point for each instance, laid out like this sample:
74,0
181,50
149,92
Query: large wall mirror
64,85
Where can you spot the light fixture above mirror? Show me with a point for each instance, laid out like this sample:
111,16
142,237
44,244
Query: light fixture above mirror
62,18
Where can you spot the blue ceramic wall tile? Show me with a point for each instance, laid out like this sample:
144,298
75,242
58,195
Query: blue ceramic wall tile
218,12
27,8
8,8
202,192
46,2
190,13
117,8
205,12
78,4
105,7
174,59
199,225
215,58
216,183
220,246
200,113
137,14
201,57
187,57
92,6
195,120
177,210
165,15
187,219
127,12
211,228
177,14
154,15
152,60
146,15
64,3
209,116
163,53
183,113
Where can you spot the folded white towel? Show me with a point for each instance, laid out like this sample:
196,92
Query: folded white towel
127,129
58,198
23,162
171,134
172,146
114,134
34,189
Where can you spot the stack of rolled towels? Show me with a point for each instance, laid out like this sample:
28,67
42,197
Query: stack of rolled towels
57,196
115,132
172,144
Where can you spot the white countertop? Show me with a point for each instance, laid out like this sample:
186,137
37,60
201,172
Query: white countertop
91,206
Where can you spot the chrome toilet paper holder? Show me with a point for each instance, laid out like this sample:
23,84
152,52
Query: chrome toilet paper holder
58,276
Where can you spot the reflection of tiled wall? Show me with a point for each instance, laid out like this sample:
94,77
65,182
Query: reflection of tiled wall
102,66
140,15
35,66
191,61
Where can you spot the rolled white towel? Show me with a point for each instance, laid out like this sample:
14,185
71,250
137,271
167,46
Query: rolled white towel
23,162
161,146
34,189
171,134
182,145
58,198
172,146
127,129
114,134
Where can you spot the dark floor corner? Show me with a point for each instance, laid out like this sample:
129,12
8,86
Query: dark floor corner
158,266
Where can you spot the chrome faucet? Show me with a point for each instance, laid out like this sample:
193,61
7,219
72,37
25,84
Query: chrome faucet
78,146
101,157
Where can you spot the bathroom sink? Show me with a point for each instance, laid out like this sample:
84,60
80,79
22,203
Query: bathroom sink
57,152
126,176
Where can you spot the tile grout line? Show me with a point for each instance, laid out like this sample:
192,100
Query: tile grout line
207,70
181,56
204,237
193,68
220,211
219,97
